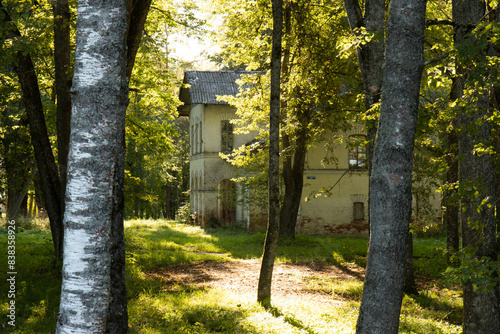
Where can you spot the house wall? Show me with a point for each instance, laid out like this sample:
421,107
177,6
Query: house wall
331,189
206,166
330,212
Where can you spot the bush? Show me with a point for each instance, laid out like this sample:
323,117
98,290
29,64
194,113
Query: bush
184,215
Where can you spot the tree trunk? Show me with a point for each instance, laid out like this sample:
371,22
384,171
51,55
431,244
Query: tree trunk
95,169
137,13
17,165
451,214
481,309
49,177
271,243
63,75
392,168
293,177
477,172
409,286
371,58
117,311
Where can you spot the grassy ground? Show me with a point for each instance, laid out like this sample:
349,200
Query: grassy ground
155,308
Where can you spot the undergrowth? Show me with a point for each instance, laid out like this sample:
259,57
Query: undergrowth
157,308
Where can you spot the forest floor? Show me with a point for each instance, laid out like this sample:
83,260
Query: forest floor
240,277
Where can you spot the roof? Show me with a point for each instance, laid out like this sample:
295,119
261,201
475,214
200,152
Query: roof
205,86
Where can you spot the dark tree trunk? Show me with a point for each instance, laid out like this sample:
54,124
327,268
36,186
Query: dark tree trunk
451,217
392,167
293,177
481,308
371,58
137,13
93,258
49,177
409,286
117,312
451,214
16,161
63,74
271,243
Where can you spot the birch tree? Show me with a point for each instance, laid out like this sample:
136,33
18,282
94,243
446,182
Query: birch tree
390,182
99,101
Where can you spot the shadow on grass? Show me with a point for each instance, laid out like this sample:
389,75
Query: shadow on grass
290,319
186,310
453,312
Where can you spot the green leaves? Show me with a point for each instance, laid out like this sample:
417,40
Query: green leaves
480,271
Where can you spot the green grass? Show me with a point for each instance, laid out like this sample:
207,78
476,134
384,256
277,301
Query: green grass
38,283
157,308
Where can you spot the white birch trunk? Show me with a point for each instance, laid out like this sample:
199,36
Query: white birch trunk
99,96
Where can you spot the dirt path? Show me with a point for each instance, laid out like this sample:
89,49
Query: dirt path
241,277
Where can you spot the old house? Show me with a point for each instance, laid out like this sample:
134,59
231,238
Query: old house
344,211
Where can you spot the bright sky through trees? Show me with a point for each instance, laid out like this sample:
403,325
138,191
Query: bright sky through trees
197,48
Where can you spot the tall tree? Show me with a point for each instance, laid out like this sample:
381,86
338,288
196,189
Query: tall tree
476,170
95,165
392,166
63,76
370,55
271,243
46,164
310,105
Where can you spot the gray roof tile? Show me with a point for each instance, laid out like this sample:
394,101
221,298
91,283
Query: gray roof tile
205,86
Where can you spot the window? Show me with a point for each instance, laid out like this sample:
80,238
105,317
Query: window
358,211
226,136
196,140
201,138
192,140
357,152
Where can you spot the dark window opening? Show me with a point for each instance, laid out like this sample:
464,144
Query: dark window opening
358,211
226,136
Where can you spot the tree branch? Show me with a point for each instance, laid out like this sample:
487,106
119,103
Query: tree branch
353,14
436,22
438,58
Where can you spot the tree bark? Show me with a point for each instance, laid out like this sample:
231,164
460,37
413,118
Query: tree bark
371,58
392,166
63,75
481,308
451,213
293,179
137,13
271,243
49,177
409,286
95,168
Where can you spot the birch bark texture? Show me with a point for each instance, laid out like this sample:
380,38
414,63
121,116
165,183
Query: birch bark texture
392,166
100,97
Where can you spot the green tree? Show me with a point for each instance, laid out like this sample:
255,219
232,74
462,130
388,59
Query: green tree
23,65
477,75
273,225
311,106
156,152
